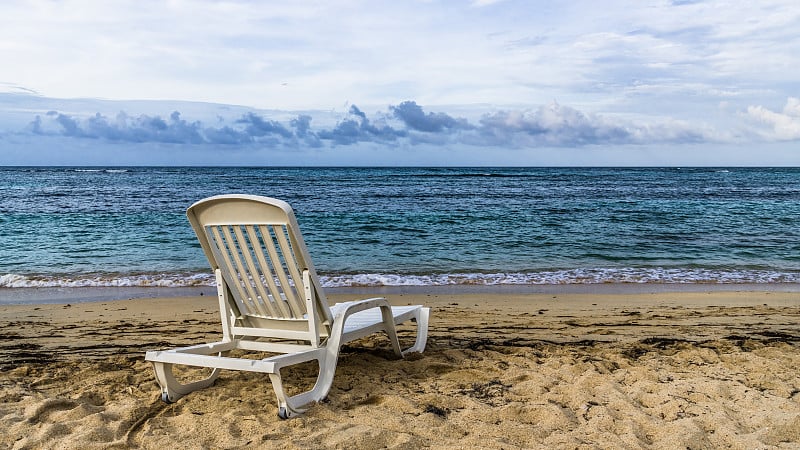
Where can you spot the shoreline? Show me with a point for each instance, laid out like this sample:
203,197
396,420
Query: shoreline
59,295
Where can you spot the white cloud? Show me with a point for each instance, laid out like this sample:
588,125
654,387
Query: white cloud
649,71
480,3
784,126
323,54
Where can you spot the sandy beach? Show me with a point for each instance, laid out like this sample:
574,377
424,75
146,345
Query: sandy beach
557,370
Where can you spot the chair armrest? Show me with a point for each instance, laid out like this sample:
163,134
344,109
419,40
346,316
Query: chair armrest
345,310
349,308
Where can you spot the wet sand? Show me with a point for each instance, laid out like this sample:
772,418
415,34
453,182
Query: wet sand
502,370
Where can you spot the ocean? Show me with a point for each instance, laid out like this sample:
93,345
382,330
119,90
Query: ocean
64,227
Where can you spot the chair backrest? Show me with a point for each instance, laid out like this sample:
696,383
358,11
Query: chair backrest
256,244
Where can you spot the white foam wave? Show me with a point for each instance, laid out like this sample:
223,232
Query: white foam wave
101,170
158,280
572,276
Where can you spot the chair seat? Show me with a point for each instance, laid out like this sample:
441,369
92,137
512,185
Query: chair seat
370,317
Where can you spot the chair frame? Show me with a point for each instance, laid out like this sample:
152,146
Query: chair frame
228,227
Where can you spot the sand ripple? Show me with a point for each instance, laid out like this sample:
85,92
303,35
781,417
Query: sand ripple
537,376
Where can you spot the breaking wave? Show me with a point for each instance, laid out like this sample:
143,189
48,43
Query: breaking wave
556,277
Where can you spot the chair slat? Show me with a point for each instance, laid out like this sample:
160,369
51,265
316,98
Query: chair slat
269,274
289,258
291,298
260,273
222,254
253,277
240,272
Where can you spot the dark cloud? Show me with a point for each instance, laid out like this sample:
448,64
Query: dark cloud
302,129
71,127
174,130
551,125
226,136
143,128
357,112
302,125
344,133
36,125
358,128
257,126
415,118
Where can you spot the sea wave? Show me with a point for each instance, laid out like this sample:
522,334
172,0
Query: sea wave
573,276
100,170
107,280
556,277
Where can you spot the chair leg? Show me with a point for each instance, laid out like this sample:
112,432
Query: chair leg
172,389
328,358
391,331
291,406
421,316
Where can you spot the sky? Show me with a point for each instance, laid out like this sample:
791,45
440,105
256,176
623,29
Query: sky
341,82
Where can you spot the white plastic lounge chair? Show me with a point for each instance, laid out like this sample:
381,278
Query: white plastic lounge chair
270,300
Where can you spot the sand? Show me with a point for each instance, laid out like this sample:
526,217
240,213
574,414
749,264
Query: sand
646,370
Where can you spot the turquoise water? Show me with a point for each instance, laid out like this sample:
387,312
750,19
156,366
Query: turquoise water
63,226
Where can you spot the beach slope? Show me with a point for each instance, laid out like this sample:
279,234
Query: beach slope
653,370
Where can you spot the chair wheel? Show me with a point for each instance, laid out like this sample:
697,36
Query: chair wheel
283,413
